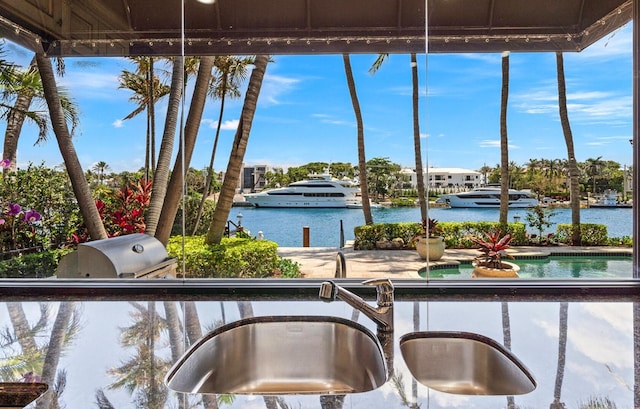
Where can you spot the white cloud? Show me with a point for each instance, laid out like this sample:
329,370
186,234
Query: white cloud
118,123
274,87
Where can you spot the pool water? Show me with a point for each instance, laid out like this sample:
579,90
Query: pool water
553,267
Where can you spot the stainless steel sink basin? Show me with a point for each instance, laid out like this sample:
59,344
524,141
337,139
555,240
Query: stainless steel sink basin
282,355
464,363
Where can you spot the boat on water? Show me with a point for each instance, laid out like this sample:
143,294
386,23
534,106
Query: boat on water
317,191
609,199
487,197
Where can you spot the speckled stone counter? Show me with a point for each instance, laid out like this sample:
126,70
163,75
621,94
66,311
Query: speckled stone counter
579,351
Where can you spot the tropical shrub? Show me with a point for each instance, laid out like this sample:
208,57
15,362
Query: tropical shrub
368,235
592,234
48,192
232,258
191,203
34,265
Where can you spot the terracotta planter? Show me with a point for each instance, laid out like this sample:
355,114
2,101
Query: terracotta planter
488,272
430,246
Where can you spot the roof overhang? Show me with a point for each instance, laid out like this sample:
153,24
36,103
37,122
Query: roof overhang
141,27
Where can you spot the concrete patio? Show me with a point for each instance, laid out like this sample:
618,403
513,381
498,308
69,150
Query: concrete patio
320,262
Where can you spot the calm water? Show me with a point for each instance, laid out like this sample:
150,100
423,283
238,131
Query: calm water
556,267
284,226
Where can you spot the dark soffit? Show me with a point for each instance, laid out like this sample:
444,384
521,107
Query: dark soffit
141,27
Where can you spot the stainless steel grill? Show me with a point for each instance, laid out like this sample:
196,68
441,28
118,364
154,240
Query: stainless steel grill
132,256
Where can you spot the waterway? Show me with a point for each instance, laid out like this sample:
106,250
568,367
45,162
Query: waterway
285,226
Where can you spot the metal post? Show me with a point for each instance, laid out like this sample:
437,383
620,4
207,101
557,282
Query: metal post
305,236
341,235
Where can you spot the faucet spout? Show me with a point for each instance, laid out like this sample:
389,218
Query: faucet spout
381,315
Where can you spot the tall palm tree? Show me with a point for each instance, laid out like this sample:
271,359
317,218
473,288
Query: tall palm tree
594,167
241,139
362,159
87,205
194,117
576,236
562,356
232,71
417,148
100,168
24,87
504,142
161,175
147,90
65,326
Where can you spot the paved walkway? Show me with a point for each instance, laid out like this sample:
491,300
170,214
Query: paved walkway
320,262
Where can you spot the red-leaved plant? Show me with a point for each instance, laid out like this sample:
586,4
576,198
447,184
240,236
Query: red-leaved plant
493,247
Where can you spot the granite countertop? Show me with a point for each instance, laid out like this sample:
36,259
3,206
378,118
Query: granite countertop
595,363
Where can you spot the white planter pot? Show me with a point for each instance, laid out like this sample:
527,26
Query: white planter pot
430,246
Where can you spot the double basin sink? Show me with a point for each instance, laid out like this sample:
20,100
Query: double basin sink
280,355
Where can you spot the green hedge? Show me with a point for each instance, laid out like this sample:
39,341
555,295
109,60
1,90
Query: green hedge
366,236
592,234
232,258
456,234
35,265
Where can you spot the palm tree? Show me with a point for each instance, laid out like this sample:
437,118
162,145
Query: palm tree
562,355
504,142
25,87
362,160
594,167
576,236
231,72
147,90
417,148
64,328
228,190
87,205
194,117
141,373
161,175
100,168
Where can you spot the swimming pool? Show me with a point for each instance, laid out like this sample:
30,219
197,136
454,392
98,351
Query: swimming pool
552,267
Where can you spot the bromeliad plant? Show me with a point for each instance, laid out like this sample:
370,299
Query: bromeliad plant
430,229
493,247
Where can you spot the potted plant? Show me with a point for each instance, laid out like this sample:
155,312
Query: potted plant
493,248
430,243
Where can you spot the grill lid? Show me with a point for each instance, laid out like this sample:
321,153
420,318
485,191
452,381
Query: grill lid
117,257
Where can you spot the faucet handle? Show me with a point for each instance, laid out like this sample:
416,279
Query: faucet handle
384,290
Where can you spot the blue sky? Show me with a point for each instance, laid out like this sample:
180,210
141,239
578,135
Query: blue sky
304,112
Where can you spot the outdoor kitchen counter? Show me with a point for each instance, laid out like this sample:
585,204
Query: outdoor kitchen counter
598,362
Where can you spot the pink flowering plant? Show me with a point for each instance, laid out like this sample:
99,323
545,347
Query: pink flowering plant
19,228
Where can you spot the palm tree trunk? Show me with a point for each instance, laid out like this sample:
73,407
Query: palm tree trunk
54,352
362,160
21,327
417,148
504,143
239,147
174,190
152,117
209,180
562,355
576,235
161,174
86,203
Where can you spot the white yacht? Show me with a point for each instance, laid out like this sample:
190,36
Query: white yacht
318,191
488,197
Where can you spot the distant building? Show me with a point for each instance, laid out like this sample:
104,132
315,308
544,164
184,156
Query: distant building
454,177
252,178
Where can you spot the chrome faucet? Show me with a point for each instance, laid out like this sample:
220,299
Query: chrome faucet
381,315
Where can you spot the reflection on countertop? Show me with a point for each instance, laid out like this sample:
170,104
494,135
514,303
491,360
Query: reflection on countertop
578,352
